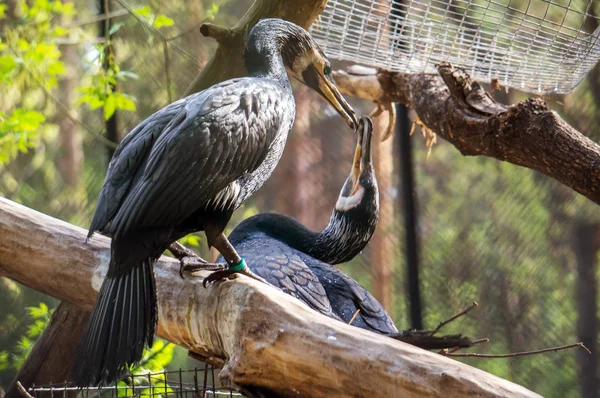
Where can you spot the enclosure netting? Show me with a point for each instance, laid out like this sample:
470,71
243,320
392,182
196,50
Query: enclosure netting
197,382
534,45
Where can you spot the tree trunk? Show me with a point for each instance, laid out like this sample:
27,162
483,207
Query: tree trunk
70,161
383,243
586,245
51,359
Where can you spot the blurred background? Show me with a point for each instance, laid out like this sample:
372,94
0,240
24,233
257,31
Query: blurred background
520,244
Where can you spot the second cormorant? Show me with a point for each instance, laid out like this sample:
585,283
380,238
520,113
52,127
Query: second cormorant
300,261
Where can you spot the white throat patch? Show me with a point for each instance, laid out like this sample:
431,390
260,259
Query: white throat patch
344,204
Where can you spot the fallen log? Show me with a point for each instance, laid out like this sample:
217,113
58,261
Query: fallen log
266,341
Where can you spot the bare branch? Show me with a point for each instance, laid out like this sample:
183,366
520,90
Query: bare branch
457,109
515,354
447,321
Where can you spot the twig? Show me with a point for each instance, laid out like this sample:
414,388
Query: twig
113,14
516,354
22,390
447,321
354,316
478,341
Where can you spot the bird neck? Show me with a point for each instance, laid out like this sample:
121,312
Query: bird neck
263,56
339,242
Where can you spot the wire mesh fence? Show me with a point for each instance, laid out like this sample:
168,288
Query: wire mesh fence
532,45
193,383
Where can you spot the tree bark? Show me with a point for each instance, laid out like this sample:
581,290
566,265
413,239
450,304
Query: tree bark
457,109
70,161
266,340
586,245
51,359
383,242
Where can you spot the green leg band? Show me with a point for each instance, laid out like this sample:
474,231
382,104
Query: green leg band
238,267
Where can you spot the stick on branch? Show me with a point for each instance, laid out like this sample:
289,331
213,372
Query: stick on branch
452,318
515,354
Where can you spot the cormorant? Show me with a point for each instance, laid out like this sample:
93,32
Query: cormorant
300,261
186,168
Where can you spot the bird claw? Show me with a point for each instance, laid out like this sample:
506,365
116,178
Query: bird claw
192,264
218,276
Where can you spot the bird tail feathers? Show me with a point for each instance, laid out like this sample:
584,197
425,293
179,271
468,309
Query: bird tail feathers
122,324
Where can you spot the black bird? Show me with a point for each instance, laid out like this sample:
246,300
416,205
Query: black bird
186,168
300,261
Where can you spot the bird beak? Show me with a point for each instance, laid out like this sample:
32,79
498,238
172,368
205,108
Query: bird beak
325,86
362,164
366,125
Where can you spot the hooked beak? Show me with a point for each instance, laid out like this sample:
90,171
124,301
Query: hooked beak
326,87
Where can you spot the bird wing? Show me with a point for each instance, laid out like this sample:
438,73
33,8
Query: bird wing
216,137
283,268
347,295
371,310
126,161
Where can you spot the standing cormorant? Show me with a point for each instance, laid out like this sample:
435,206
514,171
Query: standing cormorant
186,168
300,261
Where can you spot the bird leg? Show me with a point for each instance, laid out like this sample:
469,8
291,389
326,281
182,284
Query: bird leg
190,261
236,264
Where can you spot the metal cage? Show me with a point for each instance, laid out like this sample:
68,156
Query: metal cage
543,46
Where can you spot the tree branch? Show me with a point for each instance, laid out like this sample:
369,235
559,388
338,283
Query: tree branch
527,134
228,62
266,340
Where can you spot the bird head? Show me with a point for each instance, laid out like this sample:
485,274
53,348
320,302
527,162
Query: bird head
360,190
302,57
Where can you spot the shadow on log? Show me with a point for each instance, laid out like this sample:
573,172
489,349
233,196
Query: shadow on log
265,339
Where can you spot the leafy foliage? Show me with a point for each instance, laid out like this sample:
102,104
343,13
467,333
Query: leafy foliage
40,316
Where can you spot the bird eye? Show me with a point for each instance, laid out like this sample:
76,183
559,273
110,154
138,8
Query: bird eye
327,70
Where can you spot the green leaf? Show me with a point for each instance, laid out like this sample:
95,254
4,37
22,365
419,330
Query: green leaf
115,28
7,65
56,68
214,9
3,8
39,312
162,20
143,11
110,105
124,102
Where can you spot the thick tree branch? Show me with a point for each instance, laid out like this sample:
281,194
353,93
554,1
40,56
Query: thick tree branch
266,340
228,61
527,134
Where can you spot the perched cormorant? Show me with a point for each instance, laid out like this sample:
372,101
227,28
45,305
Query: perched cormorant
186,168
300,261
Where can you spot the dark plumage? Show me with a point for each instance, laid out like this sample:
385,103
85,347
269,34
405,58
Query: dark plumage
299,261
186,168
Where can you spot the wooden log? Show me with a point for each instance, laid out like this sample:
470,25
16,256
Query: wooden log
51,359
267,341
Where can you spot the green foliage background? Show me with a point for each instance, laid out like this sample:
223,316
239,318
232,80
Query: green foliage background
490,231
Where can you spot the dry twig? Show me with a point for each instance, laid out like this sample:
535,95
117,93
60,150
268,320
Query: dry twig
516,354
447,321
354,316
